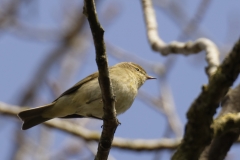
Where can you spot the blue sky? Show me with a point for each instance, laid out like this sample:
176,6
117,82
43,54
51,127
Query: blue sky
20,58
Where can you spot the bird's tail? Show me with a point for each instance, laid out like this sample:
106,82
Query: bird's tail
33,117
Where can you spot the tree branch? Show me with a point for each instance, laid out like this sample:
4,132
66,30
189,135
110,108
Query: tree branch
110,121
157,44
198,133
226,123
225,132
87,135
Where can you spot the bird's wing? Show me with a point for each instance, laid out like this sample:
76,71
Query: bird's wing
78,85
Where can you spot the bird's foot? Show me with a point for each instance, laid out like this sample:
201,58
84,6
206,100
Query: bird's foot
118,122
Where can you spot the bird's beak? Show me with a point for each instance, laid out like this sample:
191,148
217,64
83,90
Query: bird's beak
150,77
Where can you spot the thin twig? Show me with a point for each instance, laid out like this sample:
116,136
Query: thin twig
175,12
110,121
169,109
194,23
124,55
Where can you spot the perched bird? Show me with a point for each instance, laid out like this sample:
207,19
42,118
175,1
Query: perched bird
84,99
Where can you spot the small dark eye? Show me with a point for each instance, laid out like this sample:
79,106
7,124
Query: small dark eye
137,69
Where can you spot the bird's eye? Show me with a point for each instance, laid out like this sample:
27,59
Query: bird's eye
137,69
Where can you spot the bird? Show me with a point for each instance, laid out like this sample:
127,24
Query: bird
84,99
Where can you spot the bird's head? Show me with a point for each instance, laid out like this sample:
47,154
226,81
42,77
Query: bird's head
139,73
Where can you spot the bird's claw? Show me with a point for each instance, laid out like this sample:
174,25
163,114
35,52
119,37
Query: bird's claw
118,122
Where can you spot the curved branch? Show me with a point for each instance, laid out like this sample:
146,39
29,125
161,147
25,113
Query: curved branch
157,44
